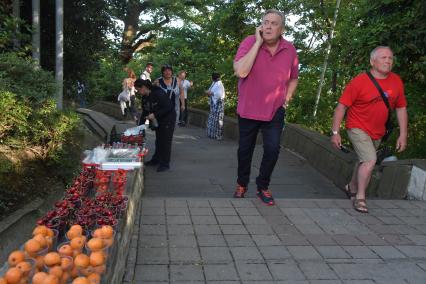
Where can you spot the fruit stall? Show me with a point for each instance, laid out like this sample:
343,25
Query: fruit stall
85,237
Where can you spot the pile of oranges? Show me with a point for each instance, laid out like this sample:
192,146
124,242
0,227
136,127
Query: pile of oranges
80,260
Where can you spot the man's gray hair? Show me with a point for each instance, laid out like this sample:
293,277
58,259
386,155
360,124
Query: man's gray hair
374,51
275,11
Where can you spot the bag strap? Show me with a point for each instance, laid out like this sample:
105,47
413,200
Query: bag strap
384,97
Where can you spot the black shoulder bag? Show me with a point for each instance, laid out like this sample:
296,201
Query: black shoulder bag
389,123
384,151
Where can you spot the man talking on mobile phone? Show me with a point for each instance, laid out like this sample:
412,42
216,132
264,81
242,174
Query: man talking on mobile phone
267,66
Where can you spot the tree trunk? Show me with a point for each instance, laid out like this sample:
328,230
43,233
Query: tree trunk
36,31
131,27
59,67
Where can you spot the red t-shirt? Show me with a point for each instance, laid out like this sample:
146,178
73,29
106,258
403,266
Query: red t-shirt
366,109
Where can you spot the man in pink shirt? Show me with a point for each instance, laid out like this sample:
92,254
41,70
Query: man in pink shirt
267,66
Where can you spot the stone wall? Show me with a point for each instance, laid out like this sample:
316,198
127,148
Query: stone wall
389,180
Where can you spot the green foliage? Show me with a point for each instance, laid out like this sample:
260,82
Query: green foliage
13,120
12,31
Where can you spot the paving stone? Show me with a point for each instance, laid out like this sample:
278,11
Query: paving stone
186,273
422,266
271,253
300,220
269,210
211,241
370,220
304,252
204,220
245,254
253,220
215,255
361,252
198,203
410,271
413,251
293,240
286,271
359,282
266,240
180,229
176,203
219,211
152,256
147,211
276,219
152,202
177,211
325,282
418,239
382,229
201,211
129,274
250,211
405,229
182,241
180,220
387,252
286,229
154,220
317,270
245,202
396,239
151,273
184,255
153,230
309,229
152,241
320,239
259,229
233,229
132,256
220,272
391,220
372,240
220,203
253,271
229,220
239,240
399,212
346,240
207,230
332,252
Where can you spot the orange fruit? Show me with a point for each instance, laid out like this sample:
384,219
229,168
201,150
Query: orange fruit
41,239
78,242
50,233
82,260
2,280
57,271
107,231
25,267
51,279
13,275
108,242
95,244
77,228
81,280
97,258
66,263
39,262
74,272
40,230
15,257
65,249
94,278
97,233
100,269
73,234
32,247
39,277
52,258
65,277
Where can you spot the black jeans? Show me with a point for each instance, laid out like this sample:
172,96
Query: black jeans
271,132
163,142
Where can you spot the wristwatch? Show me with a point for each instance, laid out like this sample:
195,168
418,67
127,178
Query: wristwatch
335,132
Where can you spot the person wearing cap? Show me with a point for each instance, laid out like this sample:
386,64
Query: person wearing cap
159,110
172,86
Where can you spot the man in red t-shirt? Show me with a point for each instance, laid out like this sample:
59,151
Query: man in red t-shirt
366,117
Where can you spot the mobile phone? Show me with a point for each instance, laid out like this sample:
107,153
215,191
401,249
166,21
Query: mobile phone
344,149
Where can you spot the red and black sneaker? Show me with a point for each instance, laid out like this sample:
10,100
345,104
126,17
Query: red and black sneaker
266,196
240,191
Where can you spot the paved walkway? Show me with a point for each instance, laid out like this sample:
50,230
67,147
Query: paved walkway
191,231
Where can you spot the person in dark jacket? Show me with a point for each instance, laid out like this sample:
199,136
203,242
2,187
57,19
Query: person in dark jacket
158,109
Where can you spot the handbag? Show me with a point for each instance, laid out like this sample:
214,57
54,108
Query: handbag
389,123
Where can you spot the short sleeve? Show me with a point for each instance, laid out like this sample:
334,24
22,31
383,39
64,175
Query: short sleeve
244,47
295,67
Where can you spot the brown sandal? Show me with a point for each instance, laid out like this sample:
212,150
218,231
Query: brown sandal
360,205
349,193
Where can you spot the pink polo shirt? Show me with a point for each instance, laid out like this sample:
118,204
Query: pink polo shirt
264,89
